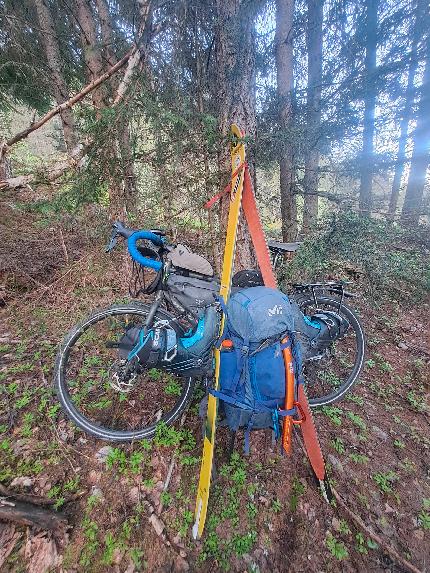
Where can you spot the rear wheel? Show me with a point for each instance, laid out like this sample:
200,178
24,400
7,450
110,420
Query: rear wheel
329,376
93,390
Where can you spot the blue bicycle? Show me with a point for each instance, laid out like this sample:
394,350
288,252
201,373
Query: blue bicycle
123,369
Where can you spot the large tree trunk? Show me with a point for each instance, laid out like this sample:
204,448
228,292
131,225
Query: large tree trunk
367,157
407,110
235,63
90,48
412,206
285,86
53,58
314,39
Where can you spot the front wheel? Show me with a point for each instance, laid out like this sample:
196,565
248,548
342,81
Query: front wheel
328,377
94,394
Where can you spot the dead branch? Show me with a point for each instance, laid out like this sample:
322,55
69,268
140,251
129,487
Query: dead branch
29,514
54,173
384,546
29,498
69,103
145,11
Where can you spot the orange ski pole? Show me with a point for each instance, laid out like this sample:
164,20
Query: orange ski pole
287,428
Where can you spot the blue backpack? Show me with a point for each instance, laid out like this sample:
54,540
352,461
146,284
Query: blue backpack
252,370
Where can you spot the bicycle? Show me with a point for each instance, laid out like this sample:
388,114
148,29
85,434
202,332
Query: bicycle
105,391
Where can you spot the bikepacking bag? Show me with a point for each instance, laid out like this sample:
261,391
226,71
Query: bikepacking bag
193,293
252,372
163,347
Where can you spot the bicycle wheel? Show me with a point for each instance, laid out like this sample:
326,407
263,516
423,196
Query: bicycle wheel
329,376
86,379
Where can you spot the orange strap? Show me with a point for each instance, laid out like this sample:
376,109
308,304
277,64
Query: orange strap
226,189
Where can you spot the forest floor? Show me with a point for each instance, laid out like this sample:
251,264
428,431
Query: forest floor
265,512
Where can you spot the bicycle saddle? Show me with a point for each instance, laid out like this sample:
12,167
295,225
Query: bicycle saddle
284,247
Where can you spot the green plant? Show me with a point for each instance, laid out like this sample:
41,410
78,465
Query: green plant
356,399
385,480
344,527
399,444
359,458
338,445
424,516
417,402
90,531
333,414
167,435
297,489
166,498
364,544
336,548
276,505
357,420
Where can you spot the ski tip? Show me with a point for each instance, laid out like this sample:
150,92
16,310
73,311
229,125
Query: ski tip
196,525
326,489
196,531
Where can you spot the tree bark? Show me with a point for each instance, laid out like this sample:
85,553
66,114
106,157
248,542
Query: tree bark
407,110
90,48
235,70
367,157
412,206
285,86
106,30
314,40
53,58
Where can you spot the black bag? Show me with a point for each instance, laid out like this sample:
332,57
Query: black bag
193,293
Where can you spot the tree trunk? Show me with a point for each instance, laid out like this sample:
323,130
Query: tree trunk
412,206
53,58
407,110
235,68
314,39
285,86
367,157
90,48
106,30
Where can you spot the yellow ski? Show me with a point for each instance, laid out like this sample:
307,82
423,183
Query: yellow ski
237,161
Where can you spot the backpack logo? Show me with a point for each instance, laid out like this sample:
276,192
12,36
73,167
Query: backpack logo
277,309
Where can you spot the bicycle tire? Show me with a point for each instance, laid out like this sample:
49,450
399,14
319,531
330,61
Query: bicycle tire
357,327
60,382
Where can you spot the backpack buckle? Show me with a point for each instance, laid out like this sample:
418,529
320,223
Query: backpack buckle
302,418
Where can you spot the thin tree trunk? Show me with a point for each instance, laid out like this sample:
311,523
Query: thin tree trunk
90,48
412,206
106,30
214,243
367,158
235,67
53,58
285,86
407,110
314,39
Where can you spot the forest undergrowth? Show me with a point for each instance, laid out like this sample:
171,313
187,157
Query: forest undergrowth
265,514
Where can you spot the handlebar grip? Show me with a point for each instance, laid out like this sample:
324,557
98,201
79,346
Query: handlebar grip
137,256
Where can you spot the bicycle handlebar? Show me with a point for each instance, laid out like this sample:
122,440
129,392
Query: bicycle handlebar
137,256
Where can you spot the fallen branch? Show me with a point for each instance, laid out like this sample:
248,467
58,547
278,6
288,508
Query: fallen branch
384,546
29,498
29,514
69,103
360,523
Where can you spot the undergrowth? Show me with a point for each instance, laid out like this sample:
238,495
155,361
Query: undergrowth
384,258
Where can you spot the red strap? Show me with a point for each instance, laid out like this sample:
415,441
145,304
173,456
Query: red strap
256,231
226,189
